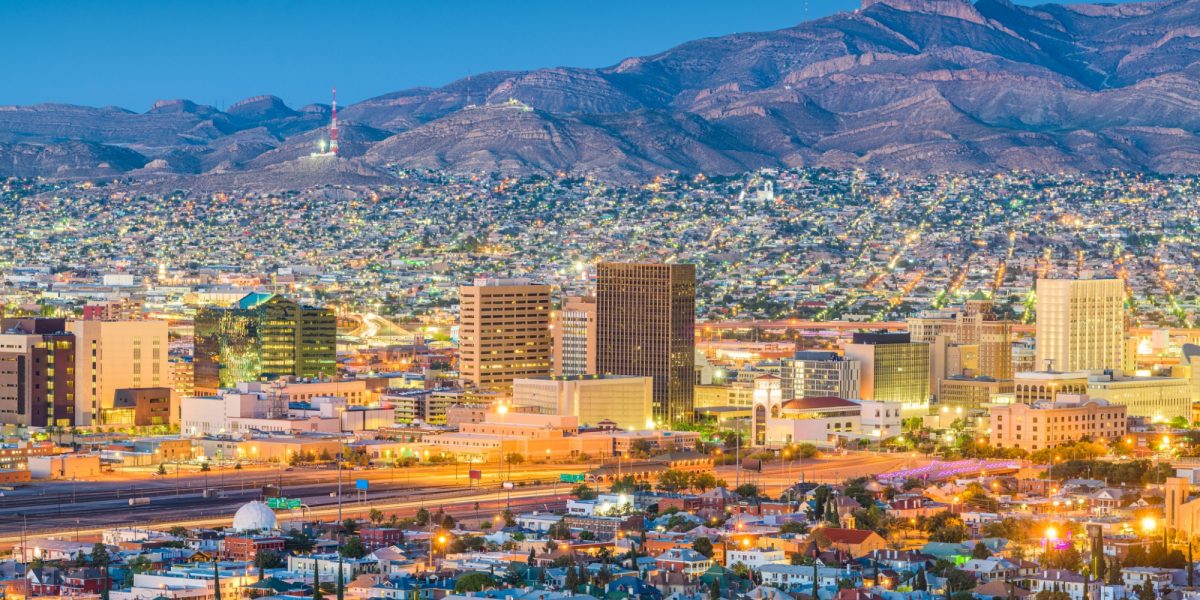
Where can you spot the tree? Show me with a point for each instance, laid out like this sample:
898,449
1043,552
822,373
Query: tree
674,480
317,595
341,580
797,527
583,492
1115,577
980,551
178,531
640,448
741,570
559,531
1191,567
703,482
267,559
514,458
100,556
473,582
959,580
162,468
1145,591
821,540
704,546
714,591
747,490
353,547
946,527
376,516
349,526
1048,594
297,542
422,516
629,485
919,582
216,580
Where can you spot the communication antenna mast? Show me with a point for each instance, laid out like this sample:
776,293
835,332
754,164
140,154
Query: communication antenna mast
333,130
278,400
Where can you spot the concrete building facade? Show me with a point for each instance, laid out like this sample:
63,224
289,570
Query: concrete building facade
1042,425
116,355
1080,324
621,399
504,331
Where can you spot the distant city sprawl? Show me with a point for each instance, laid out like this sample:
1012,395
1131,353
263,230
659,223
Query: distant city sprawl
797,244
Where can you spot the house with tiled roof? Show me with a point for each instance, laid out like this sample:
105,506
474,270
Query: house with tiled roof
855,542
1000,590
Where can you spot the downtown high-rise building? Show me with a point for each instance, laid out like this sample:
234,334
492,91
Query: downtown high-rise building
820,374
37,373
1080,324
645,325
574,333
264,336
894,368
504,332
113,355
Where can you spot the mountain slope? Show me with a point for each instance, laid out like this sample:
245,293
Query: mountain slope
910,85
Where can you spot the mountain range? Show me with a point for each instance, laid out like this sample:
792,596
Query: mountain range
905,85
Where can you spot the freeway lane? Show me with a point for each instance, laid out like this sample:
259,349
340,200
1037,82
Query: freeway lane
454,502
52,512
61,506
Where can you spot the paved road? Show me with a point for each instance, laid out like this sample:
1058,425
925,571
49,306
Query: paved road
87,508
58,507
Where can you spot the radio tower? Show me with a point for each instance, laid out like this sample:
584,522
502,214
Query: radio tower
333,132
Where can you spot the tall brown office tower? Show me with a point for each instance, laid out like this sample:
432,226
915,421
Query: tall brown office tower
646,318
37,373
504,332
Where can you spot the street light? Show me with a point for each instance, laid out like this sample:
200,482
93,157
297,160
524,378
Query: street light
1149,524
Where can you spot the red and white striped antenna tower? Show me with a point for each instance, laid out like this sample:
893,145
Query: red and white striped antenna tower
333,130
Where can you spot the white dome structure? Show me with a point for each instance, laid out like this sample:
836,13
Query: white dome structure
254,516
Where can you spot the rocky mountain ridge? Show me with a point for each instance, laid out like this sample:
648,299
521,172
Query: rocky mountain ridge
907,85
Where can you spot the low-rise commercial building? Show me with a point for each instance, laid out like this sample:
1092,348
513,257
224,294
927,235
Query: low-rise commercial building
1158,398
1046,424
594,399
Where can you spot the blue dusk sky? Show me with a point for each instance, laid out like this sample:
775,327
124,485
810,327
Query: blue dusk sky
130,53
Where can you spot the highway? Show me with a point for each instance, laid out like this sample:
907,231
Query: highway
86,508
61,507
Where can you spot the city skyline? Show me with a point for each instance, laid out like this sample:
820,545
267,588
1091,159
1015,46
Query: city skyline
739,302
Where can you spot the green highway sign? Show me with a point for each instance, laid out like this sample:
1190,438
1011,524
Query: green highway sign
283,503
569,478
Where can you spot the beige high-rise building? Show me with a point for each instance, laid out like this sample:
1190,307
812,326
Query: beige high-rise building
574,331
646,325
116,355
1080,324
504,332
